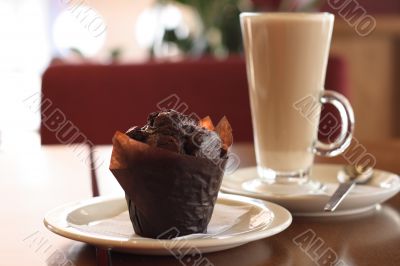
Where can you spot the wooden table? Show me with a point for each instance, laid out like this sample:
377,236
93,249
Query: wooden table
33,181
37,180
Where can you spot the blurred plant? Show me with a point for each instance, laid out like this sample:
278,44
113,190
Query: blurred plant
221,29
221,24
116,55
76,52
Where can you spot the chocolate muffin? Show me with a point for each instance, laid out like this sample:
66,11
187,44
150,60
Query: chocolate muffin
171,171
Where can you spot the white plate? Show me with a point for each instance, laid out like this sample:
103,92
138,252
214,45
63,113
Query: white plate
383,186
74,221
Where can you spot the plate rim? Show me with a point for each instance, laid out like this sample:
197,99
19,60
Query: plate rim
254,194
53,219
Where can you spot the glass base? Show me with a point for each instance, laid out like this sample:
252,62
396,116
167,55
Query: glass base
270,176
282,183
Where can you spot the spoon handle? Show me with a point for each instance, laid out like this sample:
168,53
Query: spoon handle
338,196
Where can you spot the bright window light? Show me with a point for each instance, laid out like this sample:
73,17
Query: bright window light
24,54
81,28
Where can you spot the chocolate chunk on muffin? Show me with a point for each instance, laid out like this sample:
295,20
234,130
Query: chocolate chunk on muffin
178,133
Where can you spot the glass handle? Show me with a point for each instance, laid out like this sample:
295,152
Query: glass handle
346,127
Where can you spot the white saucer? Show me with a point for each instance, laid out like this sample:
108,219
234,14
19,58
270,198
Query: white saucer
81,221
383,186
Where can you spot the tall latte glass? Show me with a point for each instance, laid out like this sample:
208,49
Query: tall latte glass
286,57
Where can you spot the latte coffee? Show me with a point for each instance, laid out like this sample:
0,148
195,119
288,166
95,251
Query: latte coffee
286,57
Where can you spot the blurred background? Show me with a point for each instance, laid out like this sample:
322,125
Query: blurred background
38,34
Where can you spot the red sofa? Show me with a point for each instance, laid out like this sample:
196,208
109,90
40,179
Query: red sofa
99,99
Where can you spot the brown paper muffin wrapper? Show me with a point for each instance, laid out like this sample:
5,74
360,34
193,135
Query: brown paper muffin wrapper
165,191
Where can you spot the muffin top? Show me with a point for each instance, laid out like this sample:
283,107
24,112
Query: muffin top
179,133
